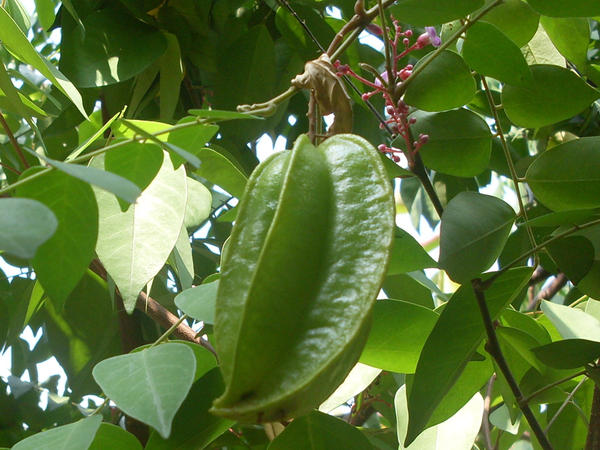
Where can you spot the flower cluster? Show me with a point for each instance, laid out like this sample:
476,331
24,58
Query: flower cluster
396,110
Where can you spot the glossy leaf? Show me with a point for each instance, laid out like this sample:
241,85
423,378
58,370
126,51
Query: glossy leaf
460,142
149,385
109,51
114,437
397,336
193,426
570,36
432,12
554,95
446,83
318,431
291,370
508,64
407,254
474,229
199,302
446,352
572,8
515,19
25,224
564,177
13,38
62,260
73,436
134,245
457,433
568,354
572,323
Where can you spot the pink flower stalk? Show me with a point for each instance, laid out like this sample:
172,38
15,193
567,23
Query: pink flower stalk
397,119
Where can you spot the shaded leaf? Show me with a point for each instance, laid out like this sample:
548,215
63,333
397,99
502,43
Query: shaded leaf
199,302
114,437
474,229
109,51
565,177
568,354
515,19
318,431
554,95
446,352
560,8
446,83
217,169
62,260
432,12
507,65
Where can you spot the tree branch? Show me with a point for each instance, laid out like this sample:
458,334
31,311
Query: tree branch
593,437
493,348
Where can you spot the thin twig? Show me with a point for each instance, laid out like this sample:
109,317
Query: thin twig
302,23
531,396
509,161
564,404
537,248
493,348
13,141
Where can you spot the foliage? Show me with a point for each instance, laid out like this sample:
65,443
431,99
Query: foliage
145,233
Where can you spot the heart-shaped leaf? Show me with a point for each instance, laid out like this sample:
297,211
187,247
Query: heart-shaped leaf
67,437
149,385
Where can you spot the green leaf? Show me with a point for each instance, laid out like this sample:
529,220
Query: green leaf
198,206
474,229
572,323
114,48
199,302
215,115
217,169
61,261
457,433
136,162
448,350
25,225
135,244
318,431
574,255
565,177
568,354
560,8
193,426
397,336
114,437
508,64
555,94
521,343
359,378
460,141
570,36
110,182
515,19
171,75
74,436
149,385
407,254
405,287
541,50
181,259
446,83
14,39
568,218
45,13
433,12
84,332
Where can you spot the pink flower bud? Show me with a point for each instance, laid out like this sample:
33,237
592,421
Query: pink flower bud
408,33
375,29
